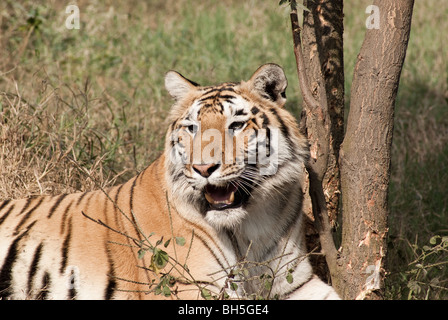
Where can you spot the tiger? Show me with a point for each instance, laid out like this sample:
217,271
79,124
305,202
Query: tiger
217,216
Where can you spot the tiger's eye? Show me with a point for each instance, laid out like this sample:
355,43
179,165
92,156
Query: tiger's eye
192,128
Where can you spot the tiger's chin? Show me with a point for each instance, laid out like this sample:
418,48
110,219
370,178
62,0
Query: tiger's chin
229,218
225,205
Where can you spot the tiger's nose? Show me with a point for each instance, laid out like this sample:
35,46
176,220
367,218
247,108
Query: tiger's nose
205,170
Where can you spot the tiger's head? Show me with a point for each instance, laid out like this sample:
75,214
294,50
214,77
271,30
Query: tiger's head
232,148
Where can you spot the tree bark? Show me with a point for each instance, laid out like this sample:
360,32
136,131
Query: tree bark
366,152
357,268
324,66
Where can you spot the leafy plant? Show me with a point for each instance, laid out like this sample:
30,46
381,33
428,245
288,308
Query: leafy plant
426,276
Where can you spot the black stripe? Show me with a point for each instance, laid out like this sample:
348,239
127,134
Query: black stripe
212,90
227,97
64,216
72,293
66,247
27,204
204,99
283,128
81,197
33,267
229,87
254,123
176,175
4,204
268,142
27,216
116,207
220,106
117,195
3,218
87,204
254,110
235,244
6,271
46,283
142,173
216,93
216,97
211,251
173,125
112,283
266,121
240,112
56,205
207,105
131,200
195,227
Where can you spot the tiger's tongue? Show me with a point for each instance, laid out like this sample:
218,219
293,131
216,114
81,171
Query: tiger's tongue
216,195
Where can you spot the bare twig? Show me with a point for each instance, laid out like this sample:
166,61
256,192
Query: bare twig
306,92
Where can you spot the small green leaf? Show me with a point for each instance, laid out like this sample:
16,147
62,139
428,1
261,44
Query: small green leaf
206,294
157,291
159,242
233,286
413,285
141,253
433,240
171,281
445,241
167,242
434,282
160,258
301,6
180,241
166,291
268,284
289,278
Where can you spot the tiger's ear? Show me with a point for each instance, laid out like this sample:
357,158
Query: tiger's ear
177,85
270,82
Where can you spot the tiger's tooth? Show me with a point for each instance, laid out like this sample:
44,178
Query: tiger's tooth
209,198
232,197
213,201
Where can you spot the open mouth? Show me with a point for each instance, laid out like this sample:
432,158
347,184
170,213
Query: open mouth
228,196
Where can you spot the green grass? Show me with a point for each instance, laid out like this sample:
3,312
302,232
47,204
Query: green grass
94,97
418,198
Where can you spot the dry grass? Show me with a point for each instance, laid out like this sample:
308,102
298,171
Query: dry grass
40,152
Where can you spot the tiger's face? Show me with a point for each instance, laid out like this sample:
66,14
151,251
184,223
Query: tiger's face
228,144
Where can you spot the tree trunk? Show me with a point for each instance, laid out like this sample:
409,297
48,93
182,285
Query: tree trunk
357,268
366,152
324,65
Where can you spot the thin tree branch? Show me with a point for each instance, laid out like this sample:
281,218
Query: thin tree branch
317,168
321,220
303,81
